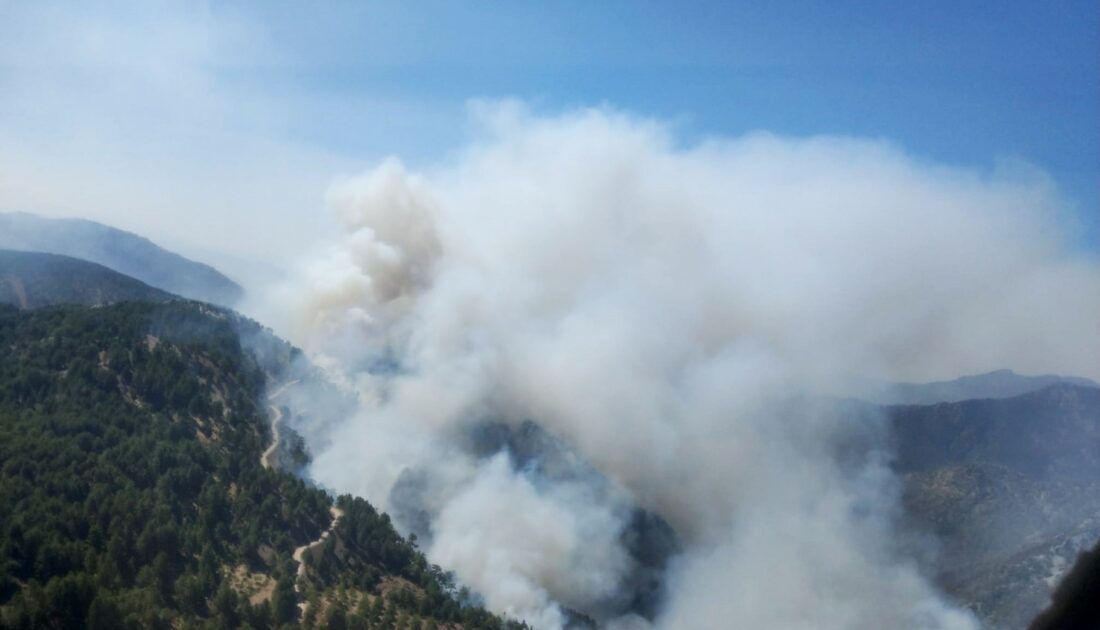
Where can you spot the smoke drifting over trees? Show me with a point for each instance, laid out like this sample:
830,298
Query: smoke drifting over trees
660,308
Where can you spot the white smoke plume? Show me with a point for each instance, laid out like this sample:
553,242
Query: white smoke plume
657,307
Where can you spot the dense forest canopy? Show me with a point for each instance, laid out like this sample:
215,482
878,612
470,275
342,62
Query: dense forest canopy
132,493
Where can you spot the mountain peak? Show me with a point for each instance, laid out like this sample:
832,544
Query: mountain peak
1002,383
119,250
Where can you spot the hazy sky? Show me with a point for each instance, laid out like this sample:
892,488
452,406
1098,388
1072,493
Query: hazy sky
194,123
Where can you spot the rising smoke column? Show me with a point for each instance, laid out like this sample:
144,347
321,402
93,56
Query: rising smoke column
662,309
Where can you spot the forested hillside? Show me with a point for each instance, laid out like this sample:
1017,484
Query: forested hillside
132,493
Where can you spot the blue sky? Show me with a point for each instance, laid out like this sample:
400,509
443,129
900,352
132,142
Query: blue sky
962,82
332,87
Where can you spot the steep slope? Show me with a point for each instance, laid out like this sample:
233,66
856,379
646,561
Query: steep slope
132,493
1052,432
1008,487
121,251
34,279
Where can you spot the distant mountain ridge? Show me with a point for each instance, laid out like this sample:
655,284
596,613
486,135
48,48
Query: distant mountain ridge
996,384
34,279
121,251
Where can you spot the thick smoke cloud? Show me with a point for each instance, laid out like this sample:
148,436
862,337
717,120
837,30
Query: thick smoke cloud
662,309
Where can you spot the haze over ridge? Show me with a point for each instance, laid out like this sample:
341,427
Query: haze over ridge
650,303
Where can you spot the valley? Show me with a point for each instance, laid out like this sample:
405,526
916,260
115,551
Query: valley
130,414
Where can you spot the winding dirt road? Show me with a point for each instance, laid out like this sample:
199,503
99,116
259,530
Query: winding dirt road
268,456
267,461
300,552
